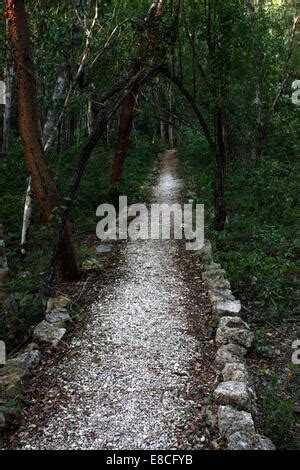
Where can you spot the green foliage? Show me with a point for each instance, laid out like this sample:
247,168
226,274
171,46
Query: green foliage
258,245
27,274
277,415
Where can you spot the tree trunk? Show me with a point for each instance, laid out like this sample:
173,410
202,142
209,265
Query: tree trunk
27,211
164,126
4,271
2,107
49,129
43,185
48,138
127,110
125,126
220,174
7,110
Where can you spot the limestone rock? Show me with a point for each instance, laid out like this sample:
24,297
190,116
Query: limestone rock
220,295
218,284
205,253
227,307
230,353
235,371
246,441
213,274
231,421
234,330
60,316
234,394
27,360
11,380
45,332
213,266
61,301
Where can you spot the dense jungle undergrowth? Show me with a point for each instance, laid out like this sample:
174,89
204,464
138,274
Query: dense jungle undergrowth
259,249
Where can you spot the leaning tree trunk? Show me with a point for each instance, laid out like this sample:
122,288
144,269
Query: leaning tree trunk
220,174
125,126
127,110
43,185
48,138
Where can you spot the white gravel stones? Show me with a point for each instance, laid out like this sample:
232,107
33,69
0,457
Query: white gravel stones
126,385
233,393
248,441
234,330
236,372
45,332
229,353
227,307
231,421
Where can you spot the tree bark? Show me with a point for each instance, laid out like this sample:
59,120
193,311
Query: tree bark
4,271
125,126
48,138
127,110
164,127
217,150
220,174
2,107
7,110
43,185
50,122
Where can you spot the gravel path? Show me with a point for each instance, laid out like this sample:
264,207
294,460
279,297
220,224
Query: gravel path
126,380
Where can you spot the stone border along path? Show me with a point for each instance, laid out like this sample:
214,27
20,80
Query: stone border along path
235,395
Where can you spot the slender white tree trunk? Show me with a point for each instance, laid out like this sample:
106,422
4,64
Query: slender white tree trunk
7,110
49,133
26,215
49,130
4,271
